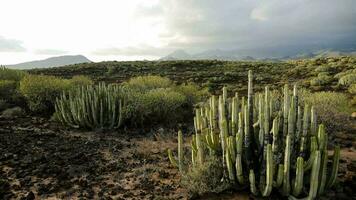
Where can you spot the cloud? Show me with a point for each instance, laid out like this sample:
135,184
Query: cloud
256,24
11,45
141,50
49,52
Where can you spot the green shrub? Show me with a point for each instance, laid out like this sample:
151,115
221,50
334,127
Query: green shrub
41,91
154,99
153,106
353,100
192,92
7,89
348,79
333,109
324,68
80,81
205,179
322,80
145,83
11,74
352,88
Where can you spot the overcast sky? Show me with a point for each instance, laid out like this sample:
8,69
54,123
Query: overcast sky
149,29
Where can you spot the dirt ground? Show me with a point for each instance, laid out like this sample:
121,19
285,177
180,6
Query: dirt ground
41,160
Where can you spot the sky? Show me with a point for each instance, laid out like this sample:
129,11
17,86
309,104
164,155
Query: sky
149,29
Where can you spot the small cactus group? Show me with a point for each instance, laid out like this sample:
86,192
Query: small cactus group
93,107
263,142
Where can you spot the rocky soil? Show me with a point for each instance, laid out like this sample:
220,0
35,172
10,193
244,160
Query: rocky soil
41,160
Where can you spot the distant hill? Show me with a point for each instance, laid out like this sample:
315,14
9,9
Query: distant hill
215,54
321,54
51,62
234,55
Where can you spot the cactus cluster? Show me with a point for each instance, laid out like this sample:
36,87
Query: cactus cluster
93,107
263,142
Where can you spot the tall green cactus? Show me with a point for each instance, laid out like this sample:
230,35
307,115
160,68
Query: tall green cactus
178,163
262,145
93,107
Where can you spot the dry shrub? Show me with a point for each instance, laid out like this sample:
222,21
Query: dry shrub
205,179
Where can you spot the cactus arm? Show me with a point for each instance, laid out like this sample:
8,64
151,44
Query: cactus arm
336,160
285,110
200,150
253,188
298,184
229,165
286,181
314,146
279,180
314,180
180,151
171,158
269,175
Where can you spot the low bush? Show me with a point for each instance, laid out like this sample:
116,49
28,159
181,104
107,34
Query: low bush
321,80
348,79
158,105
7,89
80,81
192,92
205,179
41,91
145,83
333,109
9,82
352,89
11,74
154,99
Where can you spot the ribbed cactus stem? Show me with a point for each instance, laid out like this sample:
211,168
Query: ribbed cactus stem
313,122
280,172
285,109
286,181
275,131
298,183
171,158
225,94
266,112
314,180
234,116
194,151
180,151
229,165
249,136
269,172
252,180
239,143
313,148
232,148
200,150
335,167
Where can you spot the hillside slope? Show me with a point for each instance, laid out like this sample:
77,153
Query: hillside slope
51,62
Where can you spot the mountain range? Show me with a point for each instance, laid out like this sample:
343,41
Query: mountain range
238,55
215,54
51,62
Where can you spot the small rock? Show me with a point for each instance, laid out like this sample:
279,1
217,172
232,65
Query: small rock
12,112
353,115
